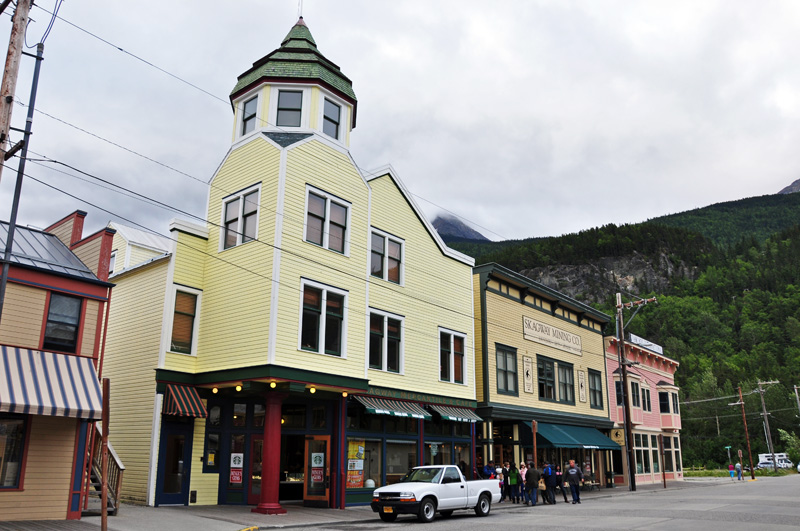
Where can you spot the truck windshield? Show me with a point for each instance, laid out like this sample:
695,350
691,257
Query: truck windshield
424,475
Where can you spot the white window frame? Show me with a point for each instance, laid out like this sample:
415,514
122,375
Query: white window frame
240,113
329,198
233,197
344,113
463,336
325,288
112,263
386,236
384,358
304,108
195,326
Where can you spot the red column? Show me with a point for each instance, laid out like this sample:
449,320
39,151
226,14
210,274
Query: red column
271,458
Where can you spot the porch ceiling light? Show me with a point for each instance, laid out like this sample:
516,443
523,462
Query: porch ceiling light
238,388
312,390
273,385
215,390
344,394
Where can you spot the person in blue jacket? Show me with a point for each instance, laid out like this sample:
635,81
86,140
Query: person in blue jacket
550,482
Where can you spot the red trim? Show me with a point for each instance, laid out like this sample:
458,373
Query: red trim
104,256
41,279
97,334
75,515
23,467
81,325
77,218
342,484
44,319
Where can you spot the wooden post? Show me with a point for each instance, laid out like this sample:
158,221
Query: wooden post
9,85
533,426
104,472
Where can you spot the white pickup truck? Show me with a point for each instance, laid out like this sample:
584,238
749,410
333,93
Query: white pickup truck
427,490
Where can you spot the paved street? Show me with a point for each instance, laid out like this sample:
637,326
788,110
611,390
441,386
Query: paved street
710,504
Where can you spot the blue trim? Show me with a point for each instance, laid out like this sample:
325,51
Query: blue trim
80,463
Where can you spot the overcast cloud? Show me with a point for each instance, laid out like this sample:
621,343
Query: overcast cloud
524,118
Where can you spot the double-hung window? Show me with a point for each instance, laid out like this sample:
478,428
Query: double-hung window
566,383
240,218
547,379
327,221
635,395
451,356
13,450
249,112
675,409
387,257
183,322
331,119
618,388
322,329
63,322
385,342
663,402
290,108
646,404
506,359
595,389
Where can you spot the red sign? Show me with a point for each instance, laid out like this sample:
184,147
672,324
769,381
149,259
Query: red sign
316,475
236,475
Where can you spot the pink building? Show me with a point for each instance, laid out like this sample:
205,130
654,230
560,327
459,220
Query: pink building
655,414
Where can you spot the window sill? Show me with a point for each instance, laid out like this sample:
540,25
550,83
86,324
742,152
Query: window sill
309,351
392,282
553,400
222,250
318,246
600,408
508,393
189,354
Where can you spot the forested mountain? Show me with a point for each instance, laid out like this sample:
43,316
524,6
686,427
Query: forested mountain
728,309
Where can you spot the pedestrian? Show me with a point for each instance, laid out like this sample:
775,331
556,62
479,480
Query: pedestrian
739,470
731,470
532,477
522,470
514,481
574,478
506,486
560,482
550,483
488,470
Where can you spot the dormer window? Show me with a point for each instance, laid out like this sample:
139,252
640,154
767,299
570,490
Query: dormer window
290,107
249,111
331,118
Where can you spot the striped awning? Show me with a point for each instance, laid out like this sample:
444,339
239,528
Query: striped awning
183,401
33,382
397,408
456,414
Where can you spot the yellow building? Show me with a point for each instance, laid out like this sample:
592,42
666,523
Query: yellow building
541,370
51,350
313,340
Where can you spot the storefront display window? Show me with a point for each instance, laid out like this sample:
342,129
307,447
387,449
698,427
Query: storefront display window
668,454
258,415
364,463
401,456
360,420
239,415
319,420
438,453
401,425
211,456
293,415
461,457
677,456
12,446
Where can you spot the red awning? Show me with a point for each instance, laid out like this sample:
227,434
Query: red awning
183,401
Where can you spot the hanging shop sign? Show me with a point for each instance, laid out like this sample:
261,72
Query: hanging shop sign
545,334
527,370
582,386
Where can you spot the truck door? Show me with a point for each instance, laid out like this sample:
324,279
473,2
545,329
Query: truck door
453,491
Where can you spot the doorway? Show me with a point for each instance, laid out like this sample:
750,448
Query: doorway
175,454
316,488
254,482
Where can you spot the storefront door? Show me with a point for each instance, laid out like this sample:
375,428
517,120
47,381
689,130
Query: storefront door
175,454
254,482
316,489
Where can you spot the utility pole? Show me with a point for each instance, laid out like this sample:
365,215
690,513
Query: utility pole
12,222
746,436
766,422
9,84
623,365
797,396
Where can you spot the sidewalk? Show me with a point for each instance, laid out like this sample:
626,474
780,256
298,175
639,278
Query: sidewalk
238,518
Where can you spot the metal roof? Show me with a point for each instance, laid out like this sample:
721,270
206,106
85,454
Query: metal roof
143,238
42,250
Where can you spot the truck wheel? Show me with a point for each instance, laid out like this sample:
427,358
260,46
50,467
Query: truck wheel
388,517
446,514
484,505
427,509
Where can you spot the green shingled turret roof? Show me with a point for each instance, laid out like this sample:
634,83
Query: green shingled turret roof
297,60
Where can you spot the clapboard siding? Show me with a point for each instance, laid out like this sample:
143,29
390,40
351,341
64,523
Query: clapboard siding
23,316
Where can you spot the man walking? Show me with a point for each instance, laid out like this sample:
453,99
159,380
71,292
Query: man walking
574,478
532,476
739,470
549,495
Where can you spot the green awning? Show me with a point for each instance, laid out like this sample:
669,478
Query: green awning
456,414
565,436
397,408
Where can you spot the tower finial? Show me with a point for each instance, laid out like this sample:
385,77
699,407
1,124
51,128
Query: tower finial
299,8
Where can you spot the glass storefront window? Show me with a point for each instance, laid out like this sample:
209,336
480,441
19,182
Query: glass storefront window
259,412
655,462
319,420
239,415
293,415
12,445
401,425
438,453
237,447
212,450
461,456
462,429
364,463
639,466
360,420
214,414
401,456
668,461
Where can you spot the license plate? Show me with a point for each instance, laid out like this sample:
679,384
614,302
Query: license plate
388,509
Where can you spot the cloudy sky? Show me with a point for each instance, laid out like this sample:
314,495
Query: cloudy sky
524,118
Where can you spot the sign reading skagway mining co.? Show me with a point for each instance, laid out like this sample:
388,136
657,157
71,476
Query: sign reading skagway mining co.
540,332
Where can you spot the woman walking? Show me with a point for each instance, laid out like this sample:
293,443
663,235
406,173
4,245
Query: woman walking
514,481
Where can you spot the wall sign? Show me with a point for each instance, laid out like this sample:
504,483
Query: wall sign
540,332
527,371
237,460
582,386
236,475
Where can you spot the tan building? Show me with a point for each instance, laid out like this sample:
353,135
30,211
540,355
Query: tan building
51,349
540,369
